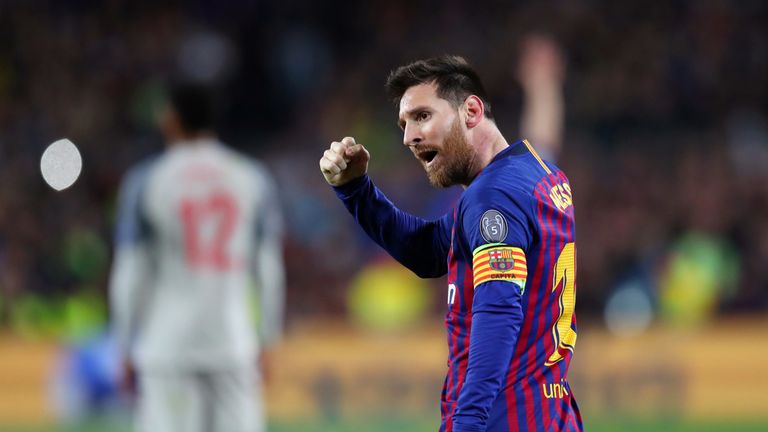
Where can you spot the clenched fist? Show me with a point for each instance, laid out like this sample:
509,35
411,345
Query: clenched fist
344,161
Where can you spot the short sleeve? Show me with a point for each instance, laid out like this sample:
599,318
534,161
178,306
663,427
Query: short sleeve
132,225
270,221
498,232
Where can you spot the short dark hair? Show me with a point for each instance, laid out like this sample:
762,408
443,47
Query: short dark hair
453,75
194,106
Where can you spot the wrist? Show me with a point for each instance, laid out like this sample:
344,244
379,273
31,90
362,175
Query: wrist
461,427
351,187
467,423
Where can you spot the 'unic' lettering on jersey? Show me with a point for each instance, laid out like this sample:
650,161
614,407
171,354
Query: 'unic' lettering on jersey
555,390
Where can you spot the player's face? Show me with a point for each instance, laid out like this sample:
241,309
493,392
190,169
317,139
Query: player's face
433,130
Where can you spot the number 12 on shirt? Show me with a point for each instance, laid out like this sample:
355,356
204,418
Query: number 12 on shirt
208,225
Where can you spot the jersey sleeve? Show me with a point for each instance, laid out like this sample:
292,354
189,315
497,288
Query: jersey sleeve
132,263
132,225
495,228
420,245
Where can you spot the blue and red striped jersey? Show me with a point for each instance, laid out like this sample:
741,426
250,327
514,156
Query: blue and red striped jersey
509,252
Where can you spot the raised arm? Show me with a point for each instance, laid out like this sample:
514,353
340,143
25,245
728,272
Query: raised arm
541,72
420,245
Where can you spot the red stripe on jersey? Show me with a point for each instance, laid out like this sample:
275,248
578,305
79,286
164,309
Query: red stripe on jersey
559,412
452,269
469,295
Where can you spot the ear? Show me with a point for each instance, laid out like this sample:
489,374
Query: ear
169,124
474,110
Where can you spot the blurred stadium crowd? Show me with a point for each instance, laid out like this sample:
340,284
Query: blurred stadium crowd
666,134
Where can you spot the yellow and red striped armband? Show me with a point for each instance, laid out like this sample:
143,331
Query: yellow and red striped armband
497,261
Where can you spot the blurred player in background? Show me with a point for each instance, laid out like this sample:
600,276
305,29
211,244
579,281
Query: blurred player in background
541,73
508,249
197,228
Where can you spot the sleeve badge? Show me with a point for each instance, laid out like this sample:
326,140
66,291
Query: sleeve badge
493,227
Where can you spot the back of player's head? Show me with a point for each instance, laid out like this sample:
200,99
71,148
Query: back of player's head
193,105
454,76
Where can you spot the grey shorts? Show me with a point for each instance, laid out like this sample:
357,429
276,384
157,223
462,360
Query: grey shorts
221,401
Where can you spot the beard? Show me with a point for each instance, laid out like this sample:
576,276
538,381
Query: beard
455,160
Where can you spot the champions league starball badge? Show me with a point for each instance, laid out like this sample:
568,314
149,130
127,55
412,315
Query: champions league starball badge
493,226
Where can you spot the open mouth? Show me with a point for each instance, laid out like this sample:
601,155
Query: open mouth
428,156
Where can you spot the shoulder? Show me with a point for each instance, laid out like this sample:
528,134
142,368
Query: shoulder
554,187
501,189
495,214
131,206
260,174
252,166
137,176
253,174
259,169
499,206
144,167
522,181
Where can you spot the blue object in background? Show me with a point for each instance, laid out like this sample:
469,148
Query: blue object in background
85,381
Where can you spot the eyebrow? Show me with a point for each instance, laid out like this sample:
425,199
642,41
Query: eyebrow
410,112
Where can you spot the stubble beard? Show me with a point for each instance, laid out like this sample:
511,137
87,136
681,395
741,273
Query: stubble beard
456,160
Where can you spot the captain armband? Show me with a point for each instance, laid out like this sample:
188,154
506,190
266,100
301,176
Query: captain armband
499,262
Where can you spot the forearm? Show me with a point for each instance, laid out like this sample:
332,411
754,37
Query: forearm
495,328
542,120
127,285
418,244
271,280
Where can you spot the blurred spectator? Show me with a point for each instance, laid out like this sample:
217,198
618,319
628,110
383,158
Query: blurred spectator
541,73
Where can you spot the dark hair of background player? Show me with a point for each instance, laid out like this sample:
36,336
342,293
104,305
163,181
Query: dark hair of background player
194,106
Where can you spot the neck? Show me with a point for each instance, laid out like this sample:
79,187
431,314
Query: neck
186,138
487,142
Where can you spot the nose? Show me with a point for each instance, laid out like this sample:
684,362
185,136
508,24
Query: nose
411,135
